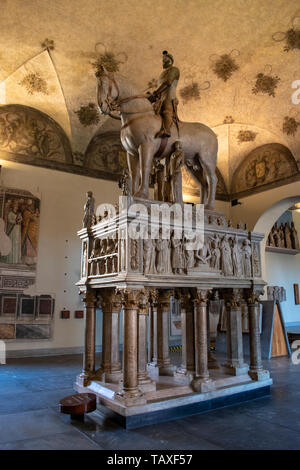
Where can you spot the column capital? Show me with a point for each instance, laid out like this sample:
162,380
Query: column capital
153,296
110,300
89,298
201,296
185,300
233,298
144,302
252,295
164,296
133,298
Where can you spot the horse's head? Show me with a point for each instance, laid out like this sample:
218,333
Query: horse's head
107,90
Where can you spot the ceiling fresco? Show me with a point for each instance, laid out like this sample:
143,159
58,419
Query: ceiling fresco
237,60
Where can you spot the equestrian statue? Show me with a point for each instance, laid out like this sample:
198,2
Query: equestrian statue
150,127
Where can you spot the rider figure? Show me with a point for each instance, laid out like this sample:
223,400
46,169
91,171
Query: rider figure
164,97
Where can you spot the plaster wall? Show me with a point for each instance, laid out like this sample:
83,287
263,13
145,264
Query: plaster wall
58,266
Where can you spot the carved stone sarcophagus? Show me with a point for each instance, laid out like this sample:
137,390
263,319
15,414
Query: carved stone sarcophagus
154,243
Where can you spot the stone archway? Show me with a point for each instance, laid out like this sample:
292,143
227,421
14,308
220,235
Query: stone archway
266,221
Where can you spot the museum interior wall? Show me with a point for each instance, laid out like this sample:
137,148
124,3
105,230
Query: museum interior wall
283,270
58,261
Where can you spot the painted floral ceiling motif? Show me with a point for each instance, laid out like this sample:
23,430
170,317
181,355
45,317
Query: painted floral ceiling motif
88,115
291,37
225,65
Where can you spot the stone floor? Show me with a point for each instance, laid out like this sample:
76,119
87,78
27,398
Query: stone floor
30,389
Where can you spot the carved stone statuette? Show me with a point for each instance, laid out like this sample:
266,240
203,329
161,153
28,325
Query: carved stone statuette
125,183
294,237
276,293
88,210
215,251
246,258
227,267
149,255
177,259
236,258
203,255
287,236
188,253
163,255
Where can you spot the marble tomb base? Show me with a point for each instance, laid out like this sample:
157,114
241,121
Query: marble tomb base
174,400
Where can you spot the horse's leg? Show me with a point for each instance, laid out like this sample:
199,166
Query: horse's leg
134,171
146,152
210,171
199,175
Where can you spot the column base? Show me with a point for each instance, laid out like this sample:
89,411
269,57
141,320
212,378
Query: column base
259,375
203,385
240,369
184,376
131,398
212,361
84,379
146,384
152,365
168,370
112,377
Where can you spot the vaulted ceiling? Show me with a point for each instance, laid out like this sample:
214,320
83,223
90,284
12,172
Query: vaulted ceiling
220,47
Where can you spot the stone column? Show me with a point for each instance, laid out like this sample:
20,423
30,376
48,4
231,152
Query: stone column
187,328
201,382
89,339
163,311
235,364
152,353
213,316
146,384
131,394
111,304
256,370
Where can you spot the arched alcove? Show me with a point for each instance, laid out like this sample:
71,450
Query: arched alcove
282,267
265,167
28,135
105,154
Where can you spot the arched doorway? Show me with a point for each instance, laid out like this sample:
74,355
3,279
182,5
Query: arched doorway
281,269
